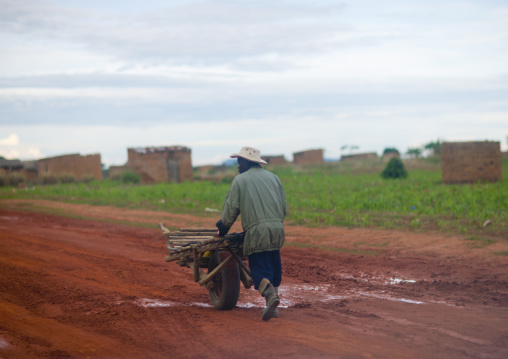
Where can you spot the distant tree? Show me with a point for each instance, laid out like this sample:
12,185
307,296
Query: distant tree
389,150
433,147
129,177
351,148
415,152
394,169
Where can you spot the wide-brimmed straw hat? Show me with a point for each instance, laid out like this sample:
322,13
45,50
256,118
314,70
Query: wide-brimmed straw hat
250,154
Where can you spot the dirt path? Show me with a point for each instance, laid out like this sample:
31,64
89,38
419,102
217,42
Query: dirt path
89,288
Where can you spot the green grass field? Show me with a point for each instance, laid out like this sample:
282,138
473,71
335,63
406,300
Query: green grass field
329,195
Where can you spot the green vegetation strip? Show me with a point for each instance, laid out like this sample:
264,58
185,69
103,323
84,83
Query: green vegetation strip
336,194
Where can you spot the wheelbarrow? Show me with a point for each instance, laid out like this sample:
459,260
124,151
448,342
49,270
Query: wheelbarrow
217,263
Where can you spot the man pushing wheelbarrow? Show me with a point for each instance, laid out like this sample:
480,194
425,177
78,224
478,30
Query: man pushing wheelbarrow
259,197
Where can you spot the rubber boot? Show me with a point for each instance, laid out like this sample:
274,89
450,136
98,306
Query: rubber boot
267,290
276,311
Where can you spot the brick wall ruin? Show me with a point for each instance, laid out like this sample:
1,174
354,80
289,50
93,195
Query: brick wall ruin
274,160
211,169
310,157
469,162
115,172
81,167
161,164
8,166
30,171
360,156
205,169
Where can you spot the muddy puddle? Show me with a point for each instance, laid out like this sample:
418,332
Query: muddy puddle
292,295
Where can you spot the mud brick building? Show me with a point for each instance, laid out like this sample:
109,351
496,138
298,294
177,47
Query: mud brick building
81,167
161,164
360,156
309,157
30,171
469,162
8,166
210,169
275,160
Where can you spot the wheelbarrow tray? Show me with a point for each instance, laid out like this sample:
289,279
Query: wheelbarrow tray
198,248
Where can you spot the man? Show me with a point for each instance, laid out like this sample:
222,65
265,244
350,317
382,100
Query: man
258,196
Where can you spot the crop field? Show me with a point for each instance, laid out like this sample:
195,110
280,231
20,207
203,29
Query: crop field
327,195
406,268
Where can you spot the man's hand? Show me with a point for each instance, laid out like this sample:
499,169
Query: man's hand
223,230
237,237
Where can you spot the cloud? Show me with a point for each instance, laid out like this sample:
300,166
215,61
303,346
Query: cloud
24,153
12,148
199,33
364,37
12,140
294,75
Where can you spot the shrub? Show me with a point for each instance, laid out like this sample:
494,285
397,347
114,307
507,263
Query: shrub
88,178
16,178
227,179
11,179
394,169
67,178
49,178
129,177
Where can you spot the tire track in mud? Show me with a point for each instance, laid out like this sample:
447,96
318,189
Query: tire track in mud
91,289
408,280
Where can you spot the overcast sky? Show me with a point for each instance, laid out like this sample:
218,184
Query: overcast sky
97,76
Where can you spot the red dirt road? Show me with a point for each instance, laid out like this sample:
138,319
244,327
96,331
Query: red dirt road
93,289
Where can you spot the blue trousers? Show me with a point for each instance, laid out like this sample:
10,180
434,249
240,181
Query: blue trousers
266,265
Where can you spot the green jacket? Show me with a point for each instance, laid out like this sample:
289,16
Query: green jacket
258,195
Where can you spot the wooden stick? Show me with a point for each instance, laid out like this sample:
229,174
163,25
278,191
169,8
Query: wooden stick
245,278
172,257
184,234
216,271
175,249
240,262
201,274
198,229
190,238
195,270
186,251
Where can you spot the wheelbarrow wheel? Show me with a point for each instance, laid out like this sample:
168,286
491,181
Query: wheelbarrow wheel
226,289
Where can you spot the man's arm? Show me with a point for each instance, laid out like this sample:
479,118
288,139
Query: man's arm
231,207
283,197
